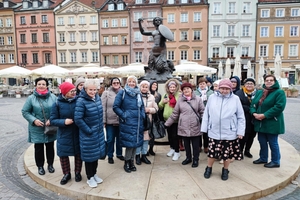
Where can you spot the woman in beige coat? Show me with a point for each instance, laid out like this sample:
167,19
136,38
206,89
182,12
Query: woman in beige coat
150,108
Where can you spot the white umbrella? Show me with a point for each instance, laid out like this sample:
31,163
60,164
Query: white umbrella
193,68
50,71
136,69
237,71
249,71
261,71
227,69
220,70
89,69
278,65
14,72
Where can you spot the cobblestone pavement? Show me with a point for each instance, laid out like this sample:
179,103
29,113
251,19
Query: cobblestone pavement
15,184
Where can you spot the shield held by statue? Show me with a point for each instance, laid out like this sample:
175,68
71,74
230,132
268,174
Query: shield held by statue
166,32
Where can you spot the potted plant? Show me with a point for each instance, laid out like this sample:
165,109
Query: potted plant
294,92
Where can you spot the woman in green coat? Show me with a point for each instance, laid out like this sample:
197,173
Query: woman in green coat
267,109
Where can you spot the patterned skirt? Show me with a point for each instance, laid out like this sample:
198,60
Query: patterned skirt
224,149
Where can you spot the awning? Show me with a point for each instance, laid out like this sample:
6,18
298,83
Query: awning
286,69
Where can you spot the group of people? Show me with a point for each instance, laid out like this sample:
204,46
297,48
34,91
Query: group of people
221,117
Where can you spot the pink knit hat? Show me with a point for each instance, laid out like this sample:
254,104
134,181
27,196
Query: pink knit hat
225,83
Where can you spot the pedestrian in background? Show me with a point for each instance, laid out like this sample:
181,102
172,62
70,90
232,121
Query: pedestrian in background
62,116
79,83
36,106
236,84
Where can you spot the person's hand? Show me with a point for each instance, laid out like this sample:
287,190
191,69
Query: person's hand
147,110
166,126
166,100
240,137
259,116
37,122
104,125
141,19
48,122
69,121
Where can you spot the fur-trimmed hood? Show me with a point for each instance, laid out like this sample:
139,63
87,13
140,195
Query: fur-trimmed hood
177,85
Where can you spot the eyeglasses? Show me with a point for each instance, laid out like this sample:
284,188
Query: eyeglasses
73,91
116,83
269,80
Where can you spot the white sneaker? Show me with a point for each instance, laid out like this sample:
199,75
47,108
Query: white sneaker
171,152
221,161
98,179
91,182
176,156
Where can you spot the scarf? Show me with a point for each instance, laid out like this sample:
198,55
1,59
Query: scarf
187,98
172,100
266,92
203,93
115,90
134,92
249,94
42,92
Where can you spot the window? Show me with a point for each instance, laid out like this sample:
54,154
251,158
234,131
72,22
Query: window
83,36
230,51
114,23
73,57
124,59
197,35
231,8
22,38
120,6
72,37
1,23
11,58
152,14
215,52
115,59
138,1
294,30
246,29
246,7
171,55
24,58
137,15
71,21
197,16
295,12
44,19
45,37
62,57
170,1
138,57
183,1
2,58
124,39
137,36
216,31
279,12
82,20
61,37
33,20
265,13
106,60
171,18
263,50
293,50
264,31
183,55
123,22
1,40
8,22
105,40
47,58
245,51
115,40
22,20
111,6
94,35
183,17
279,31
217,8
35,58
84,56
60,21
152,1
278,49
184,35
93,19
95,56
197,55
231,30
105,23
33,37
10,40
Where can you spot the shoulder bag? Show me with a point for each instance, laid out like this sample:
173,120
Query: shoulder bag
49,130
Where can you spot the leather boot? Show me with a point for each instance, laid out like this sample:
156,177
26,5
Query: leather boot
127,166
151,152
65,179
145,160
207,172
225,173
138,159
132,167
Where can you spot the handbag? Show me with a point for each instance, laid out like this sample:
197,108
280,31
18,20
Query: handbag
147,123
200,120
158,129
49,130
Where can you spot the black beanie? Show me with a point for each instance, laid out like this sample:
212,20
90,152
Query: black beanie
112,79
249,79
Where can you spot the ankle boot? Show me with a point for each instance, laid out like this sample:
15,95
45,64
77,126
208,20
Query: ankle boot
225,173
138,159
207,172
145,160
151,152
132,167
127,166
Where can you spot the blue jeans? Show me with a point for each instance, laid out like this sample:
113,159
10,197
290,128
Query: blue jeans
142,149
272,139
112,135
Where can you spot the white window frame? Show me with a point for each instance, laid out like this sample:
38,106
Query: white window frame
73,57
22,20
183,55
95,56
217,8
111,7
171,55
72,37
2,58
138,57
115,40
138,36
71,20
295,12
229,53
245,51
293,51
8,22
294,31
152,1
94,35
197,54
11,58
265,51
123,39
152,14
1,23
138,1
231,7
197,16
171,18
276,50
170,1
184,17
184,36
44,19
231,30
60,21
215,52
197,35
137,15
264,33
93,19
120,6
279,31
246,30
106,59
114,23
62,57
105,23
105,40
124,22
82,20
115,59
62,37
246,7
216,30
46,37
124,59
82,36
184,1
10,40
279,12
265,13
84,56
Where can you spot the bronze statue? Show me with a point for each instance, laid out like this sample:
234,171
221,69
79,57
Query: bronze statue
159,68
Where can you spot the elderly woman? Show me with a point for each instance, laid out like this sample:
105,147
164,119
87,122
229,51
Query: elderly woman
129,107
89,119
188,112
224,122
36,111
267,109
62,115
